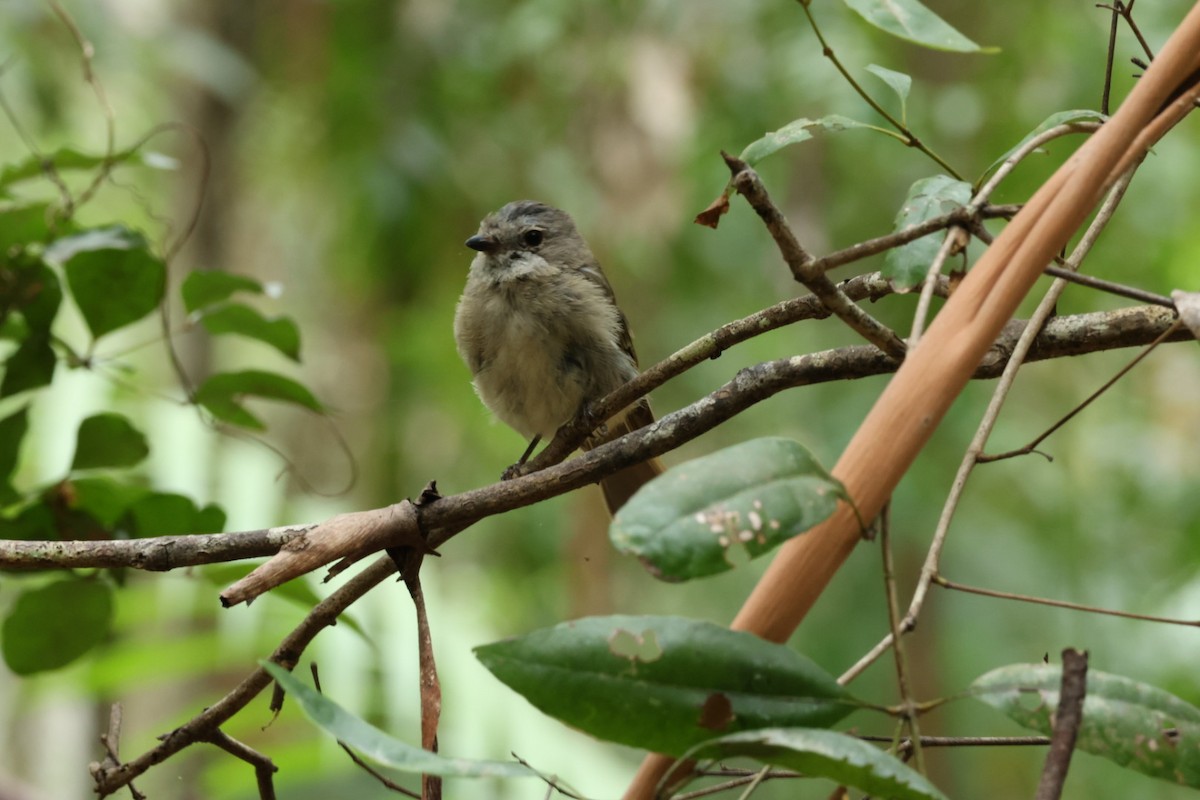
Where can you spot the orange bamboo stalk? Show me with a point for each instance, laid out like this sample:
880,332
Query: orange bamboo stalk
935,372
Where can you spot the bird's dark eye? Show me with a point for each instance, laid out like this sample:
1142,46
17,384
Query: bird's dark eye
531,237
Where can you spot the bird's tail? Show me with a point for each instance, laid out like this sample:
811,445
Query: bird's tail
621,486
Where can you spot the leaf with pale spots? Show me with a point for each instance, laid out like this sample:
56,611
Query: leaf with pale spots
1138,726
664,683
704,516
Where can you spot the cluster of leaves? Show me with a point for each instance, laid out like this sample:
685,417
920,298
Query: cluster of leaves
115,279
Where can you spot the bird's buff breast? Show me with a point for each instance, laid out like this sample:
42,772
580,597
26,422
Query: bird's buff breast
522,379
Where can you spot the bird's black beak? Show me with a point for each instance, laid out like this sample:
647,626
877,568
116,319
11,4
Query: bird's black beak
484,244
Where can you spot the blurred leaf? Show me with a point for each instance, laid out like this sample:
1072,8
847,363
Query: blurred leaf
205,287
826,754
1052,121
381,747
30,367
930,197
913,22
664,683
1132,724
62,159
34,522
900,83
279,332
690,521
103,499
113,276
167,514
53,625
22,224
12,434
222,395
108,440
799,130
30,288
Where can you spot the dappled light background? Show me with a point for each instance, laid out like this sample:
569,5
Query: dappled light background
352,147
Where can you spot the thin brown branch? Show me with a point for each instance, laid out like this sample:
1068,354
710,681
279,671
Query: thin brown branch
200,727
1176,327
1067,719
907,706
1045,601
264,768
803,265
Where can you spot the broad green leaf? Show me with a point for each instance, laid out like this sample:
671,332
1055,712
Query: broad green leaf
30,367
930,197
113,276
279,332
900,83
53,625
1133,724
21,224
167,514
108,440
381,747
222,395
664,683
799,130
699,517
103,499
63,159
913,22
826,754
1052,121
205,287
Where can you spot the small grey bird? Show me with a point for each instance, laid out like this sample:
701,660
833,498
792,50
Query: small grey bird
539,328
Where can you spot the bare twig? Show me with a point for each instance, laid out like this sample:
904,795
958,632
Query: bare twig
1067,719
200,727
803,265
907,706
264,768
1031,447
1045,601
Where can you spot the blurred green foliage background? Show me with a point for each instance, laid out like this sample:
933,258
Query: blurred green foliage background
352,147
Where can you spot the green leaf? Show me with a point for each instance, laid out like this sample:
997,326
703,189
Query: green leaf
930,197
1052,121
108,440
167,514
381,747
900,83
913,22
51,626
696,518
22,224
12,434
205,287
30,367
113,276
1133,724
664,683
826,754
222,395
279,332
34,522
799,130
103,499
34,292
65,158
